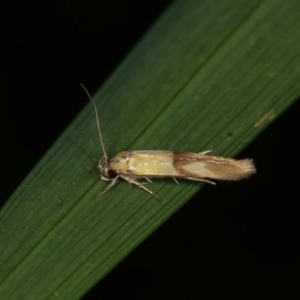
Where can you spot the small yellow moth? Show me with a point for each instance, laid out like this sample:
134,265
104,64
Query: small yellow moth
133,166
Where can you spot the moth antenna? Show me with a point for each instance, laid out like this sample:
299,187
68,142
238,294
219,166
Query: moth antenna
97,120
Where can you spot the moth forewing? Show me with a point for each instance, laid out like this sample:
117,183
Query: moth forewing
213,167
153,163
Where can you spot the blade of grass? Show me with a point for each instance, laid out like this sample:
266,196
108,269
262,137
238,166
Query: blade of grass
206,76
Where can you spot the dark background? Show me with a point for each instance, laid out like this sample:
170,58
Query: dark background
240,242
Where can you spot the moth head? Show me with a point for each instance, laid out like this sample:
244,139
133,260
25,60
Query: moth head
104,168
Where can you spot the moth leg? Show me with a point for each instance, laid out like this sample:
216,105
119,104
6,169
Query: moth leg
112,183
148,180
200,180
139,185
175,180
143,180
205,152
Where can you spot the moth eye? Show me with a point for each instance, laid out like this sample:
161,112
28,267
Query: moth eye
111,173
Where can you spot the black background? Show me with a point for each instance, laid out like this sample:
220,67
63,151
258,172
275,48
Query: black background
240,242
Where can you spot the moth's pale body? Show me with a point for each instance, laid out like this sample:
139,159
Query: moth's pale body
134,166
153,163
144,164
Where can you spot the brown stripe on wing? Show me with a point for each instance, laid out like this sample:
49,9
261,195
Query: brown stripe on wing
213,167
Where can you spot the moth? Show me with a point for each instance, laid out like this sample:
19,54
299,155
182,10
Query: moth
137,167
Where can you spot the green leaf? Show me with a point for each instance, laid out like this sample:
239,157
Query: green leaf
208,75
